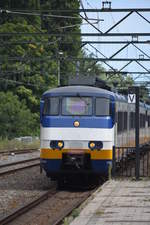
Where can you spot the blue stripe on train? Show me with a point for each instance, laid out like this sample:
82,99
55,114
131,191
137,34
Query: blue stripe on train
54,165
101,166
51,165
85,122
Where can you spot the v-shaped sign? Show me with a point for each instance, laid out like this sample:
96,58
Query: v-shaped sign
131,98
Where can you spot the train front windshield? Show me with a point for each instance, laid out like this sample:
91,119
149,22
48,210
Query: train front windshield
77,106
81,106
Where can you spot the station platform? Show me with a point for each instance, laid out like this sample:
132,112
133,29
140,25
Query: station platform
118,202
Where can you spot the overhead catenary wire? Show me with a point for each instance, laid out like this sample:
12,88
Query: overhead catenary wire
83,9
62,27
90,5
52,15
42,14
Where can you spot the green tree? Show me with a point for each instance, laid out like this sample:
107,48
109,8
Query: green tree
35,69
29,63
21,4
15,118
144,94
69,45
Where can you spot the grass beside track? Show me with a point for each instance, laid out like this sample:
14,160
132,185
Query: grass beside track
14,145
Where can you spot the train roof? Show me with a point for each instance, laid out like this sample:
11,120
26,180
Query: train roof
88,91
84,90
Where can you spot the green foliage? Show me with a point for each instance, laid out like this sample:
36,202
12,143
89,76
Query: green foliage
119,81
15,118
115,81
36,65
75,213
29,63
31,100
69,45
21,4
144,94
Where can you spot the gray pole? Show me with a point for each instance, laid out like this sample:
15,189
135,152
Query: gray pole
77,68
59,57
114,162
137,169
58,71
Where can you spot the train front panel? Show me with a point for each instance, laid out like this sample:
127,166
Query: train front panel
77,134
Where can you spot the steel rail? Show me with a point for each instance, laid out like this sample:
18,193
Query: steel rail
26,208
74,206
19,162
18,169
43,197
19,151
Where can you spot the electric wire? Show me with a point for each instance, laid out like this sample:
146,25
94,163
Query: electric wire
43,15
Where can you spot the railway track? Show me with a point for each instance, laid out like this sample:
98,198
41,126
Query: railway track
18,151
68,211
58,204
46,201
19,165
26,208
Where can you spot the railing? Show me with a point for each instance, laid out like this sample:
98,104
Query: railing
124,161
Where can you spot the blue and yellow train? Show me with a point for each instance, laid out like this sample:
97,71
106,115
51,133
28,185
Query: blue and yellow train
80,124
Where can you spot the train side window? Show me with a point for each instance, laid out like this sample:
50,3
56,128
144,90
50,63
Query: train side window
120,121
125,121
142,120
132,120
51,106
148,121
102,107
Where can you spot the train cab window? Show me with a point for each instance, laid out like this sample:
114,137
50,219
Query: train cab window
102,107
77,106
51,106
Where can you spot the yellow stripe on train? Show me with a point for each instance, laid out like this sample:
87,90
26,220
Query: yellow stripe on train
57,154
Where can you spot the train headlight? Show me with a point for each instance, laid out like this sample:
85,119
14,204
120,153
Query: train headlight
56,145
96,145
76,123
91,145
60,144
